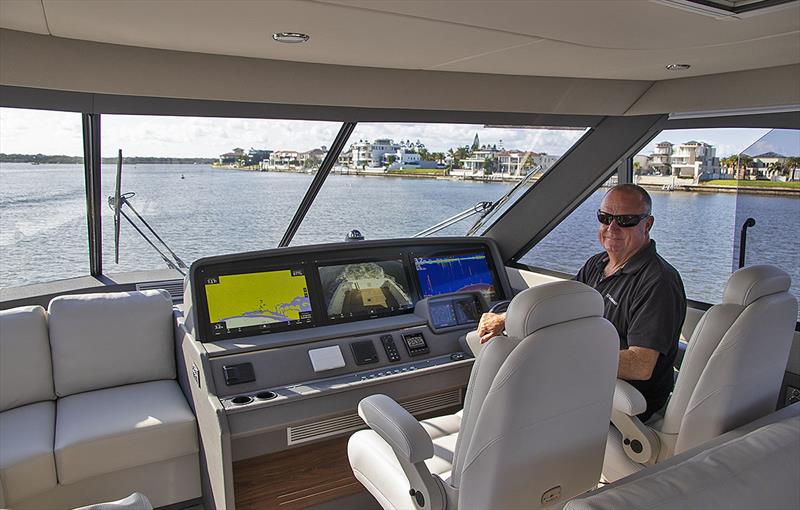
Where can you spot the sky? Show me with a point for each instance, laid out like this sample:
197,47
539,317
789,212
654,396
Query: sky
48,132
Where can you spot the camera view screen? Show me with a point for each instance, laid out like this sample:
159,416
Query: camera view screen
455,273
365,289
257,301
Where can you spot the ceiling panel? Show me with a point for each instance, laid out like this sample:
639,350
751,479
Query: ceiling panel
23,15
622,24
245,28
555,59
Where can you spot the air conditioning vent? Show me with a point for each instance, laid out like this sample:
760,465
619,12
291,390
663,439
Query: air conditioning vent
174,287
352,422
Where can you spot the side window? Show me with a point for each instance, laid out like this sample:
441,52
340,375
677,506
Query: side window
43,232
705,183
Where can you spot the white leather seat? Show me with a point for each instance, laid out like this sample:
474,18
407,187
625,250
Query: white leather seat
27,410
534,422
731,374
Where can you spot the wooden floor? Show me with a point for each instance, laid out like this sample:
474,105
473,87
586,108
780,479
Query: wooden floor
295,478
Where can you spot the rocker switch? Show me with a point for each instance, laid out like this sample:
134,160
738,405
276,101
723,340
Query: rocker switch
390,347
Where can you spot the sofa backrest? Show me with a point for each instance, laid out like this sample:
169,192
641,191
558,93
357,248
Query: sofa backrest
104,340
757,470
26,371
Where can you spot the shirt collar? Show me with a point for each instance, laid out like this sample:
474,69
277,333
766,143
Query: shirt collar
635,263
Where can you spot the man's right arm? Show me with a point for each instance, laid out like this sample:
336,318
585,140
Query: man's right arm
491,325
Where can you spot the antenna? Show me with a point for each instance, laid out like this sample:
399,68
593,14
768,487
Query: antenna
116,207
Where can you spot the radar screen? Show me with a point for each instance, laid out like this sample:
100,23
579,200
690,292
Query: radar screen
455,273
257,301
365,289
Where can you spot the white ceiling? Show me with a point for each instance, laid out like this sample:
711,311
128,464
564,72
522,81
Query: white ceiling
621,39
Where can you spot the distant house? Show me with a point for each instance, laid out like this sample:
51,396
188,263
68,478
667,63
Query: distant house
660,159
479,160
695,160
372,154
256,156
235,157
312,158
284,159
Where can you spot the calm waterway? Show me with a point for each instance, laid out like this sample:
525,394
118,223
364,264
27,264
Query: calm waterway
201,211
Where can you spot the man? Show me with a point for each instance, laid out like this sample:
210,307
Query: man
643,295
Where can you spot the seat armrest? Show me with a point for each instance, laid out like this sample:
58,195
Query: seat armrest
628,400
411,445
640,442
397,427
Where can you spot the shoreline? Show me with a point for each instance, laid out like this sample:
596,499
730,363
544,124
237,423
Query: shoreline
686,188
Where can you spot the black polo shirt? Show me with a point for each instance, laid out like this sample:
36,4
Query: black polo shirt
646,302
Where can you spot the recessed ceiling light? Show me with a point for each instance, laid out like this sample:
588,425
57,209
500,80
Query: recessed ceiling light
678,67
290,37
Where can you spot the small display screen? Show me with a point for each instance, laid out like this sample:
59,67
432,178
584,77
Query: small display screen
257,301
455,273
365,289
443,315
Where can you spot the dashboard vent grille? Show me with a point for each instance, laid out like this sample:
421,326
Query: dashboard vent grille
174,287
352,422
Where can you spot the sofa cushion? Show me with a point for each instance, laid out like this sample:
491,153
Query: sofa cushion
27,466
26,372
104,340
117,428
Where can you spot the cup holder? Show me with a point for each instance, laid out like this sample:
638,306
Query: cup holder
266,395
241,400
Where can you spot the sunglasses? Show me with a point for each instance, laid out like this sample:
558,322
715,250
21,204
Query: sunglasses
623,220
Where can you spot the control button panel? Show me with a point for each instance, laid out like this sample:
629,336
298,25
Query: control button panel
416,344
282,394
391,348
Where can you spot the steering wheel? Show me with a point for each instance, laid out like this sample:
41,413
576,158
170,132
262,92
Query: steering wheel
499,307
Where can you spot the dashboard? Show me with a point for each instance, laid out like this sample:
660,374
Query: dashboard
261,293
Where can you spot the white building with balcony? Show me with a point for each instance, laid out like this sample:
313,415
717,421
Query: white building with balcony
366,154
660,159
695,160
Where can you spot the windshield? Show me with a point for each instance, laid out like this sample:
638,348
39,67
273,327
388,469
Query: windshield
397,179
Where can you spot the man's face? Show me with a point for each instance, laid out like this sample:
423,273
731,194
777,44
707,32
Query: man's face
623,242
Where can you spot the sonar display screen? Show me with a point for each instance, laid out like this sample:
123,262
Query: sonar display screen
365,289
455,273
257,301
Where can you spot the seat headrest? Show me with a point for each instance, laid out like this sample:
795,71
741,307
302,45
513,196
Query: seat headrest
754,282
551,303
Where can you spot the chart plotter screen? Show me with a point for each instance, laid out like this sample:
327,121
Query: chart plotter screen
257,301
455,273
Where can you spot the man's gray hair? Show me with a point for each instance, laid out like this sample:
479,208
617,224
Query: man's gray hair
642,193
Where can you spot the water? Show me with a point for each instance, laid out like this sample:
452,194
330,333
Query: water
211,211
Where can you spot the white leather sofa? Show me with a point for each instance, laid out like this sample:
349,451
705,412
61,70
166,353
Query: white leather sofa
756,466
108,419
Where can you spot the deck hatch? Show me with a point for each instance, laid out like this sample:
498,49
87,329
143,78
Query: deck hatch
352,422
174,287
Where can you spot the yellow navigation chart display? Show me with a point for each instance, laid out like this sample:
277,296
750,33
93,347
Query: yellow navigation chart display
257,299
